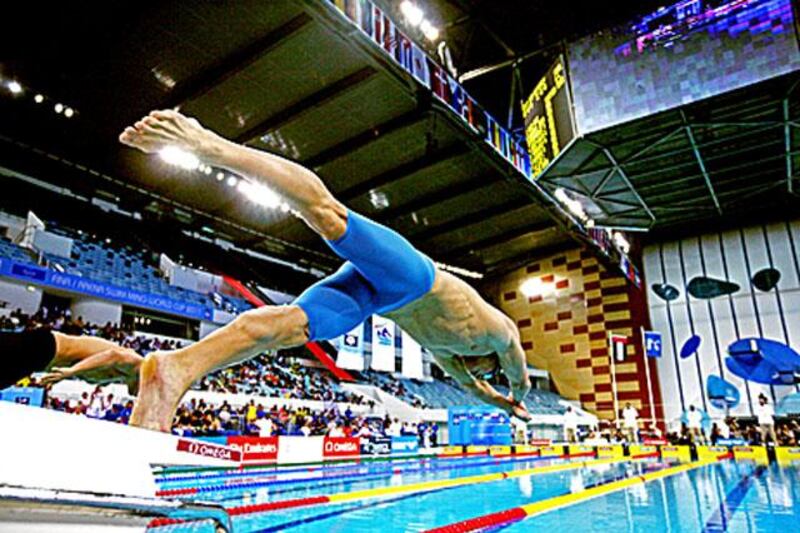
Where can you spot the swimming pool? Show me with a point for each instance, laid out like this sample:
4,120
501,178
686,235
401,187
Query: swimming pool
422,495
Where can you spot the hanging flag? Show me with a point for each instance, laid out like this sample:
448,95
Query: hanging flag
618,344
411,357
652,343
351,349
382,344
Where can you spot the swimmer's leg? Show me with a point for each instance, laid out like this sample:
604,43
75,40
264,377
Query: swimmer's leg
165,376
298,186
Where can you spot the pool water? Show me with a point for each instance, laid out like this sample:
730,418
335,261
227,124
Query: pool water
726,496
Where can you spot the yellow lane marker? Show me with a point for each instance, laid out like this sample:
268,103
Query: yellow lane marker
467,480
566,500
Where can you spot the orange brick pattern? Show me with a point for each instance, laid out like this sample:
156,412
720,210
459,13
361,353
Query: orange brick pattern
565,329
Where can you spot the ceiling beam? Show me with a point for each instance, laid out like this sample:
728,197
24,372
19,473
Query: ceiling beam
312,101
700,162
442,195
787,133
484,215
534,227
406,169
198,85
364,138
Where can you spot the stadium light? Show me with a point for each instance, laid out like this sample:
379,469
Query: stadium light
259,194
14,87
220,176
413,14
38,98
232,181
536,287
430,31
180,158
59,108
68,112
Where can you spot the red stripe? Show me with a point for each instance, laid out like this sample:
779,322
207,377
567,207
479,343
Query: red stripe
176,492
275,506
313,347
489,520
582,454
161,522
645,455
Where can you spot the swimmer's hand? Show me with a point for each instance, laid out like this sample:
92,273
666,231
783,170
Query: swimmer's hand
518,409
168,128
56,375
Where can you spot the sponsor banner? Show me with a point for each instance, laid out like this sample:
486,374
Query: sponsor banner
477,449
338,447
711,452
680,453
652,343
611,451
376,446
731,442
33,396
750,453
351,349
787,454
263,449
207,449
637,450
452,450
500,450
411,357
405,445
293,450
540,442
382,344
654,442
71,283
551,451
525,449
582,451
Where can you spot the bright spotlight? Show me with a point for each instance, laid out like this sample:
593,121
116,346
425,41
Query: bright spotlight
412,12
38,98
14,87
536,287
207,170
68,112
430,31
259,194
232,181
180,158
59,108
220,176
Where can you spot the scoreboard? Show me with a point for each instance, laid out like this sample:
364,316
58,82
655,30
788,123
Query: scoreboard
549,121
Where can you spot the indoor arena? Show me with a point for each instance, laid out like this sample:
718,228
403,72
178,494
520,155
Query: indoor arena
400,266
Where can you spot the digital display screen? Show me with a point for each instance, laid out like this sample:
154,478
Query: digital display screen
548,118
685,52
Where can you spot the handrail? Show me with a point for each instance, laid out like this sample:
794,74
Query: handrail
110,506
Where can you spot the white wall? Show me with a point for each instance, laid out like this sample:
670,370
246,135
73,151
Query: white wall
17,295
96,311
735,256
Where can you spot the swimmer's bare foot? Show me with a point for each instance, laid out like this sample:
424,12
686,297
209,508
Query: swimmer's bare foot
161,387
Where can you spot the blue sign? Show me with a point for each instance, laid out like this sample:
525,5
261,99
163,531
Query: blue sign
405,445
69,282
652,343
33,396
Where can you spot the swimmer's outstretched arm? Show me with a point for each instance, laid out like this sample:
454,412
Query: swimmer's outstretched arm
298,186
515,366
482,389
